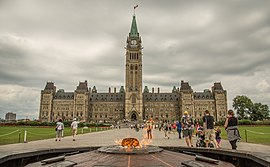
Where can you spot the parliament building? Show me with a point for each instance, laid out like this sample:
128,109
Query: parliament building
132,102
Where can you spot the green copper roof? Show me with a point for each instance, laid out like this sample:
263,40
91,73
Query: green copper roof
174,89
122,90
134,30
94,90
146,90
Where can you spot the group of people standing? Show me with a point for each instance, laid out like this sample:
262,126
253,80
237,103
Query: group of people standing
186,126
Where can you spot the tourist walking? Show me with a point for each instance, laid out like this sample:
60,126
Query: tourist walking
59,130
232,129
160,126
179,129
74,127
208,123
165,129
149,128
188,128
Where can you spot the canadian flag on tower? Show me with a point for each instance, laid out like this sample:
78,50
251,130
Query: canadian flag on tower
135,7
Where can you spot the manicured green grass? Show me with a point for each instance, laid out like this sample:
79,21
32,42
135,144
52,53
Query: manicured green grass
259,134
15,134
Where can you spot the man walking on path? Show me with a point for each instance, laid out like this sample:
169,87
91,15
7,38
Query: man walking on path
208,124
74,127
188,127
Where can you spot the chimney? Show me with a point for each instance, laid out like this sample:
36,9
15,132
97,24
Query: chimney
89,89
114,90
152,90
109,90
158,90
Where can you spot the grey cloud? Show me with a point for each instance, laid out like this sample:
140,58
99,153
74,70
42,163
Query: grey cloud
71,41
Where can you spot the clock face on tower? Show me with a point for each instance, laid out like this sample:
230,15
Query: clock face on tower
133,42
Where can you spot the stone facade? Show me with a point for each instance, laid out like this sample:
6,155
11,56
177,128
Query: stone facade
131,102
10,117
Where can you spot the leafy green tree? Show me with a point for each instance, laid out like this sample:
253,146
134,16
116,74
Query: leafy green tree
265,111
243,105
259,112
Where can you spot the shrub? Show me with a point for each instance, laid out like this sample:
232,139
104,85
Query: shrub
264,122
220,123
245,122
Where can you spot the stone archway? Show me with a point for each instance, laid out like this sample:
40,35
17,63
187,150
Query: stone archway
133,117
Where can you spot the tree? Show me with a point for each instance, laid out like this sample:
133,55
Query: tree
259,112
243,105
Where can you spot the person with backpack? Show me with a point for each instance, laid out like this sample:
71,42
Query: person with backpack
208,123
232,129
59,130
188,128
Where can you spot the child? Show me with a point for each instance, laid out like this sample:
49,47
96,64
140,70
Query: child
197,129
200,141
218,138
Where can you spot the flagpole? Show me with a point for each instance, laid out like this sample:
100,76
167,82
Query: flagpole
134,9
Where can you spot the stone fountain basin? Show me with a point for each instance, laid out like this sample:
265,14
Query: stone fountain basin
115,149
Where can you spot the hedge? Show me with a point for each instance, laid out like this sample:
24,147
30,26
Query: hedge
35,123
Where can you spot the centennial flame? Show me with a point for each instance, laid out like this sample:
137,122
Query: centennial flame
130,142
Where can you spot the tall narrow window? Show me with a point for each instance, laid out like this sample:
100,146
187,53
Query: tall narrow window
133,99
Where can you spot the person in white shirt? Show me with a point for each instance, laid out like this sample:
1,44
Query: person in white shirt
59,130
74,127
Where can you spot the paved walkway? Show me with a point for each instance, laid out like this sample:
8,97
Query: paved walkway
110,137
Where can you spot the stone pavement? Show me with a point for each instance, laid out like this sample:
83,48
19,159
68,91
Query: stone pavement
104,138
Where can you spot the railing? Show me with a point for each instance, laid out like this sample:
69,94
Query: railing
254,132
26,134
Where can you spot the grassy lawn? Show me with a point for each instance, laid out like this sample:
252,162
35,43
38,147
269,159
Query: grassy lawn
9,135
15,134
255,134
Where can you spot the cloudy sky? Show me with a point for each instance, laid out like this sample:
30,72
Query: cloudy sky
68,41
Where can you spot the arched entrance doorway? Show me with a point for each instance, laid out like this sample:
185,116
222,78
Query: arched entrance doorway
134,117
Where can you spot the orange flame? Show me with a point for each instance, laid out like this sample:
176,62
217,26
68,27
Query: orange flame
130,143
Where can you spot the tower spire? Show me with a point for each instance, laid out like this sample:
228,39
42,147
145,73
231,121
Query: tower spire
134,30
